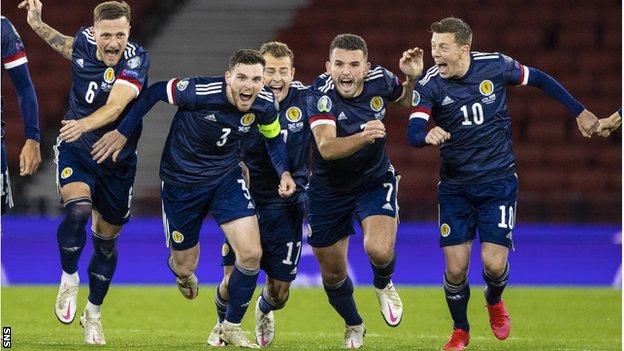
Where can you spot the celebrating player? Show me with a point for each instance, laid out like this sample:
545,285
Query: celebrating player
108,74
352,176
15,62
280,219
465,94
200,172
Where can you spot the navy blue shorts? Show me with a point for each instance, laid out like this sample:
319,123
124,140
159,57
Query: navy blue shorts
281,230
184,208
7,197
111,188
489,208
331,214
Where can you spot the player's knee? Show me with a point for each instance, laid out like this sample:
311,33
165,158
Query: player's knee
333,276
279,292
456,274
185,266
495,267
249,258
379,252
77,212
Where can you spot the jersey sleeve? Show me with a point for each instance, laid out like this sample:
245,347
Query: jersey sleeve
320,109
422,102
182,92
83,38
13,53
268,122
134,72
394,86
515,73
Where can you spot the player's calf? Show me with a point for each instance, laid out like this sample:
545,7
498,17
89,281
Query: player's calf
189,286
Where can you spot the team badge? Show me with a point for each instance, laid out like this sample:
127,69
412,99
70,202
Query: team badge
177,237
67,172
248,119
445,230
486,87
293,114
415,98
134,62
109,75
324,104
376,103
225,249
181,85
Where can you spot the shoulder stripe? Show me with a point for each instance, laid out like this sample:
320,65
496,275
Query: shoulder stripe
265,98
210,92
328,81
373,77
491,57
89,36
430,73
208,84
478,53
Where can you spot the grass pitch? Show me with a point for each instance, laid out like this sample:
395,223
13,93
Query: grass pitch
158,318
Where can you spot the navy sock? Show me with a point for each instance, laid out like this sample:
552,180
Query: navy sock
495,286
383,273
267,304
101,268
341,298
71,235
457,297
240,290
221,305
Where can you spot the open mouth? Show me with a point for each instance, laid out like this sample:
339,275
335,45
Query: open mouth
442,67
111,53
346,83
276,89
245,97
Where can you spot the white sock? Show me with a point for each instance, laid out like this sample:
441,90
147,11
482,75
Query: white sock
93,310
73,278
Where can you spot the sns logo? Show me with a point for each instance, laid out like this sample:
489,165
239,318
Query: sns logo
376,103
66,173
248,119
109,75
486,87
225,249
324,104
293,114
445,230
177,237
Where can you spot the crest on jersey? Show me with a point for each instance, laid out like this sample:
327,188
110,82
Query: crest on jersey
415,98
225,249
324,104
182,84
134,62
486,87
177,237
109,75
445,230
248,119
376,103
67,172
293,114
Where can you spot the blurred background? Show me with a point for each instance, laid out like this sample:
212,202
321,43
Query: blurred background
570,205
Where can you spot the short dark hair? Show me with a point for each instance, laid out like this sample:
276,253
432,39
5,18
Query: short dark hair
461,29
348,42
111,10
246,57
278,49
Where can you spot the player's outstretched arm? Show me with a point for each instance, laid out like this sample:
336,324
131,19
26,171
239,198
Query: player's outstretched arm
276,147
112,142
30,156
610,124
411,64
59,42
119,97
587,121
332,147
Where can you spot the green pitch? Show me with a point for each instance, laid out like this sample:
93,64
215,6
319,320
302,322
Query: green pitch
159,318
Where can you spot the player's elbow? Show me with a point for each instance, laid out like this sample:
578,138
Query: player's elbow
416,141
327,152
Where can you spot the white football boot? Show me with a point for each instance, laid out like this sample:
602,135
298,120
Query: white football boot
354,336
213,338
233,334
92,327
265,326
66,301
390,304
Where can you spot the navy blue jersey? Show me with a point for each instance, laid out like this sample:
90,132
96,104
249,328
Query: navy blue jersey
473,109
325,106
203,142
295,130
13,53
93,81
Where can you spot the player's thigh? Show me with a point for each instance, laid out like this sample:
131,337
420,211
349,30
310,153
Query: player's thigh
330,216
456,216
185,260
112,196
280,234
102,227
243,235
379,237
457,260
496,210
232,199
379,200
74,178
184,209
333,260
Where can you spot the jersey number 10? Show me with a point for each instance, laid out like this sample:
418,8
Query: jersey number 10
477,114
